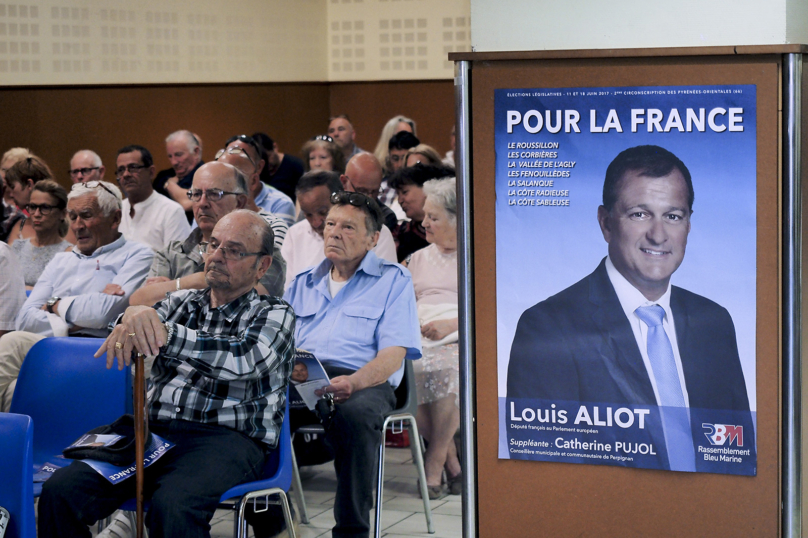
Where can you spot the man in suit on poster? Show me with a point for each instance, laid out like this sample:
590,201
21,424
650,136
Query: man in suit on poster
623,334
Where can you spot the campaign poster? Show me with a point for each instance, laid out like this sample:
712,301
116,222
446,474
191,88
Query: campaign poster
626,276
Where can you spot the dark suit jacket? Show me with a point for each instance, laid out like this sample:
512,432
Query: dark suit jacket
578,346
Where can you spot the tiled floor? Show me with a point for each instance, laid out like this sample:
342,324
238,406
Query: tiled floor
402,515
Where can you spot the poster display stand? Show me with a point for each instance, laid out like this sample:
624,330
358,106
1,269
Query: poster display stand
580,416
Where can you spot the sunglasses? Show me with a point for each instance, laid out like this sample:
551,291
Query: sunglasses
92,185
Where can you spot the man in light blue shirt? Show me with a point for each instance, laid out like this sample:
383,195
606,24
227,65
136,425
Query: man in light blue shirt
356,313
80,292
266,197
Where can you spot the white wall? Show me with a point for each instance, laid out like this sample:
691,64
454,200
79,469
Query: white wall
504,25
395,39
173,41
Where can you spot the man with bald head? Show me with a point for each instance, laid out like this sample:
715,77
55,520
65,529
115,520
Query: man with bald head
218,189
364,174
85,165
223,358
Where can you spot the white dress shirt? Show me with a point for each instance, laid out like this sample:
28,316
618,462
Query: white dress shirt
630,299
79,281
305,248
157,221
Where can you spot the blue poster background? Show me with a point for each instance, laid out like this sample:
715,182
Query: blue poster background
541,250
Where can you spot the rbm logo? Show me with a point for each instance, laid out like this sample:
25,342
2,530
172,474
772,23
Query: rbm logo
720,434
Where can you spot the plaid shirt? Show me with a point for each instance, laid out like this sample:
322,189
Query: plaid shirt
228,366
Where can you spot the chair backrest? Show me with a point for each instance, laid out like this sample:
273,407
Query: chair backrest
67,392
16,474
278,467
406,395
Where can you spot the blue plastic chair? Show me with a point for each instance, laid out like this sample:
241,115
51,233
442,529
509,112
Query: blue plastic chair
16,474
277,480
67,392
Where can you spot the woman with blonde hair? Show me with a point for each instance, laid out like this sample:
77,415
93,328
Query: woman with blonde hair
393,126
422,154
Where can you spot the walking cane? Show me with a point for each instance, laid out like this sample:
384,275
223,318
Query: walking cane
141,433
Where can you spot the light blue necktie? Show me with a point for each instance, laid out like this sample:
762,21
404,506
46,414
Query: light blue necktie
674,414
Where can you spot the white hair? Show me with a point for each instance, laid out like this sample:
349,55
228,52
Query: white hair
443,192
96,159
191,140
106,201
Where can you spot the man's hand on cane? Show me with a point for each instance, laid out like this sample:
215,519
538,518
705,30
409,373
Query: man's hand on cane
140,330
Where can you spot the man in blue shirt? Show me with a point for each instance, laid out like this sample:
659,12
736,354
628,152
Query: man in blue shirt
80,291
266,196
356,313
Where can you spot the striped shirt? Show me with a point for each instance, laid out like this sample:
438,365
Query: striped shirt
227,366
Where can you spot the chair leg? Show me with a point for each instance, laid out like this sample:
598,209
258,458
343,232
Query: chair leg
298,488
377,531
419,464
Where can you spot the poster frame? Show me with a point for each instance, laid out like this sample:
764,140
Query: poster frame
790,88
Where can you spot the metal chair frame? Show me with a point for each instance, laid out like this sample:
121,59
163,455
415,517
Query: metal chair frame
404,413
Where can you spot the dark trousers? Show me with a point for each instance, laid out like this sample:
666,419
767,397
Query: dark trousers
354,435
184,485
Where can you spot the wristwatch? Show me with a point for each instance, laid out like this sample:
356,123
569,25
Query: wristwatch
52,301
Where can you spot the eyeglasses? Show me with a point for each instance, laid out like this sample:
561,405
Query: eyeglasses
259,149
45,209
92,185
367,192
324,138
131,168
234,151
229,254
214,195
82,171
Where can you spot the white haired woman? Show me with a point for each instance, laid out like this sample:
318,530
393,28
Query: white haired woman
434,275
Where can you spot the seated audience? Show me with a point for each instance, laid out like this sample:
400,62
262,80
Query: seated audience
229,379
264,196
10,212
20,180
303,247
282,170
408,183
86,165
147,216
422,154
434,275
48,210
80,292
12,289
396,124
218,189
356,313
364,175
398,146
184,151
321,153
341,130
449,159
